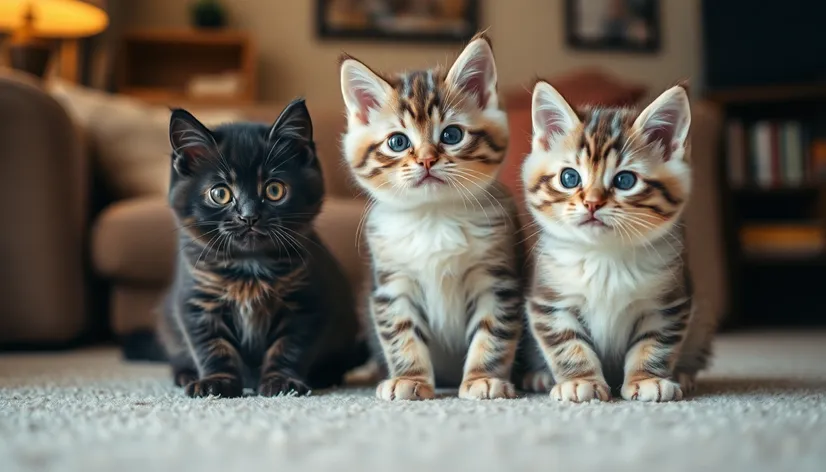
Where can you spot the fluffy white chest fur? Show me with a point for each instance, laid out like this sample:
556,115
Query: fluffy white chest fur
615,286
434,247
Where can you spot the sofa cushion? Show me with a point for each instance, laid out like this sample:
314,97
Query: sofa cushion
130,137
134,241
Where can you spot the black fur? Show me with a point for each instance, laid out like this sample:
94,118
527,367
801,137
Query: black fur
257,300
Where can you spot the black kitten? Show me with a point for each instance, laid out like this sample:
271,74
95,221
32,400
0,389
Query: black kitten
257,300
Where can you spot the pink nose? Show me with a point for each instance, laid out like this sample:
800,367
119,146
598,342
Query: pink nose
427,162
593,206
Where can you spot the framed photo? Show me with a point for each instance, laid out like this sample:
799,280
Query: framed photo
613,25
398,20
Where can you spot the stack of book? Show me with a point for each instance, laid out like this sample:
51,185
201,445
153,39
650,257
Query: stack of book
773,154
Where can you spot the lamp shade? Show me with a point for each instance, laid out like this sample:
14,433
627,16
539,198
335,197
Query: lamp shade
53,18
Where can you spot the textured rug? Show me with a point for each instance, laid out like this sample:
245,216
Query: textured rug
761,408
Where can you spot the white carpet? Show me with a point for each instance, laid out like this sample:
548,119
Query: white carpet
762,407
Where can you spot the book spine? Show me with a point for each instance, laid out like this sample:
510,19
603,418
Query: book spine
774,154
762,154
736,153
785,178
794,153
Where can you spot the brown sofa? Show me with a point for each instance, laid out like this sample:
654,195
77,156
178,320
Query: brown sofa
53,238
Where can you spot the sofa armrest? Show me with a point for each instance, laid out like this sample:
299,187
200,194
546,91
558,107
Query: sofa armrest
44,169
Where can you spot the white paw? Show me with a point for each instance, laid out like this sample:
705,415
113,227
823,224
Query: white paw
581,390
486,389
404,389
652,390
539,382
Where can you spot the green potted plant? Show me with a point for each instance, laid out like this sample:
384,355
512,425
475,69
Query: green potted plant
208,14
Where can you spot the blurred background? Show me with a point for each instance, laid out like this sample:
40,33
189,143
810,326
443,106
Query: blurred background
85,89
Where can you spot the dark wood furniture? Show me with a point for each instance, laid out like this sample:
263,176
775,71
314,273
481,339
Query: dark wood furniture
158,65
774,289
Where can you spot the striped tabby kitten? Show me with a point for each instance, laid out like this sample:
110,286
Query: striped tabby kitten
445,299
257,300
610,304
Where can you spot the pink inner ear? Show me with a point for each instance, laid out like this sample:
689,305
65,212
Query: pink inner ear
365,99
551,121
662,128
473,79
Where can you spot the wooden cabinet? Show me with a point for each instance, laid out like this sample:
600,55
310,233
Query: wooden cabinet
188,66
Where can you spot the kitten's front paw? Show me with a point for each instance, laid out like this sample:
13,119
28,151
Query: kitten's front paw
218,385
273,385
486,389
581,390
652,390
404,389
537,382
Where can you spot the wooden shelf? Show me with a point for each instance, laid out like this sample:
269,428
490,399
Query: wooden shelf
772,93
190,36
784,260
754,190
158,66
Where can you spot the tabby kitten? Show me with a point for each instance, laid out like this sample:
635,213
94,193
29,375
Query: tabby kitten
445,298
257,300
610,304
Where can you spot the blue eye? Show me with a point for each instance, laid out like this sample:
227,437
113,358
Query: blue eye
569,178
625,180
452,135
398,142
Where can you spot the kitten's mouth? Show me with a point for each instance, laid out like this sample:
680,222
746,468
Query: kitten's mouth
249,234
429,179
593,221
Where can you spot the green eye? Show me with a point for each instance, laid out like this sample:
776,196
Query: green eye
398,142
276,191
220,194
569,178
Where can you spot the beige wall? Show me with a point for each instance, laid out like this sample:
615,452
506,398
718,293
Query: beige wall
528,39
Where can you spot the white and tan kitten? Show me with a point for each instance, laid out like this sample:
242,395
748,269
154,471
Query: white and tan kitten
611,300
445,299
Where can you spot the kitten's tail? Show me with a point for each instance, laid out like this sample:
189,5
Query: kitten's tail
143,346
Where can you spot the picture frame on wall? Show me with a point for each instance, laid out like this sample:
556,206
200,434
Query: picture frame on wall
398,20
613,25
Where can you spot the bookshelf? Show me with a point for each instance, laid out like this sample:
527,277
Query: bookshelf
182,67
774,144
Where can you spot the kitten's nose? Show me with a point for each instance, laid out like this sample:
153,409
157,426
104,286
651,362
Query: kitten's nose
428,161
594,205
248,220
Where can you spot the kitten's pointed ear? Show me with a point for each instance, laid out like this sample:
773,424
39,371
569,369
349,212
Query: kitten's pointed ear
293,122
666,122
474,72
363,90
551,114
191,141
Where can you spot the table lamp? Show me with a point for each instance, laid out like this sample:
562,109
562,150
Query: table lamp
36,25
